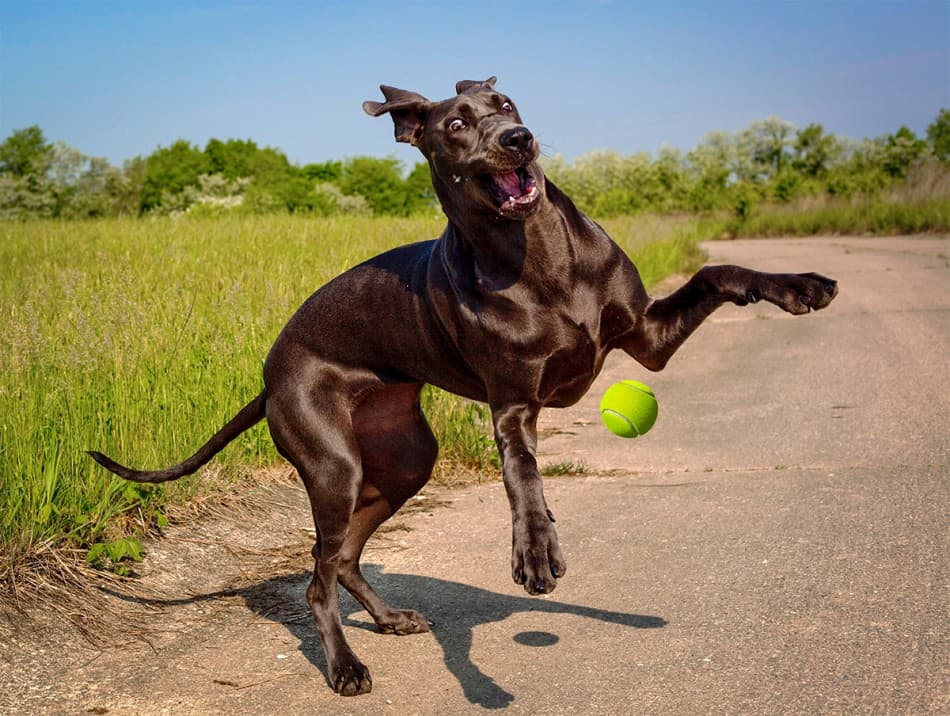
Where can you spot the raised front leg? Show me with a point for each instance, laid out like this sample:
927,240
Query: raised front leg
536,560
669,321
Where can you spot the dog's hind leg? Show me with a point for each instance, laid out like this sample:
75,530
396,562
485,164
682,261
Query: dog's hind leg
373,510
398,451
669,321
318,440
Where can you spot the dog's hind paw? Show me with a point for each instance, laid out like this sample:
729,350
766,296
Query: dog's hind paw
403,621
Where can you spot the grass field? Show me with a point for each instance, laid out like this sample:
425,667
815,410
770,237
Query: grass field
141,337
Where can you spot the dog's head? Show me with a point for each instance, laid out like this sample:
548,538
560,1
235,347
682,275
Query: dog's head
480,154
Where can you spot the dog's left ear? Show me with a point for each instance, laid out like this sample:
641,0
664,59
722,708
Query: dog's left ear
463,86
407,109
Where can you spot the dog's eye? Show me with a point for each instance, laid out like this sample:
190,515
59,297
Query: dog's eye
506,107
457,125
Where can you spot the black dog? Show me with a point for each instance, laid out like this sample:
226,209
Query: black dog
516,304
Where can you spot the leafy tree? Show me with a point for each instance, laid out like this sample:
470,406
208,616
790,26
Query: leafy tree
19,200
231,159
26,153
938,134
669,180
420,196
379,181
273,176
77,183
859,171
710,166
767,142
276,183
617,202
607,183
296,192
746,196
96,192
129,187
25,188
330,200
326,172
902,149
66,164
814,151
168,170
269,164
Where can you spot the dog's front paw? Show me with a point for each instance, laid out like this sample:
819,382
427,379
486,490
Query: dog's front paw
798,293
351,678
536,559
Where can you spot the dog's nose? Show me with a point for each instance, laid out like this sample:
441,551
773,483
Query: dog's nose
518,138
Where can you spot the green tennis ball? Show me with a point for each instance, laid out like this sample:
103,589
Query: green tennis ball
628,408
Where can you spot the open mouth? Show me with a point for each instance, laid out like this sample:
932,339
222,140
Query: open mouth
513,192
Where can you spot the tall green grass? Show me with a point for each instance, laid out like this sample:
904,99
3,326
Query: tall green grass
660,245
141,337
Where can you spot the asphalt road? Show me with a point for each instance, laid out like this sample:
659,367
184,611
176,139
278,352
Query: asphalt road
778,544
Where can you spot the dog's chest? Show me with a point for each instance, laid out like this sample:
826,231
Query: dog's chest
567,372
547,354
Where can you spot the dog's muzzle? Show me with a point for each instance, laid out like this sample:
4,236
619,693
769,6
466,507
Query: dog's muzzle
515,192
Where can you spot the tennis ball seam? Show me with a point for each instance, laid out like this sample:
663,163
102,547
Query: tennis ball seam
641,389
623,417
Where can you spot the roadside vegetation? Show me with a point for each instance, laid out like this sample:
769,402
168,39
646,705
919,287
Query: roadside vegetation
919,204
137,303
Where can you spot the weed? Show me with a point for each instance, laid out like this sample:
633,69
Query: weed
567,467
115,554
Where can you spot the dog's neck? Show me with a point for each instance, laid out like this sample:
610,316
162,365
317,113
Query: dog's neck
501,251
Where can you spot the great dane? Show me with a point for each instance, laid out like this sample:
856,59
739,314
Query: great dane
516,304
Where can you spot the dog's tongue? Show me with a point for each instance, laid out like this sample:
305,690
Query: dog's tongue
509,183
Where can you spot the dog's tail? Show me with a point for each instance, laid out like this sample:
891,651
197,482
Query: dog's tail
250,415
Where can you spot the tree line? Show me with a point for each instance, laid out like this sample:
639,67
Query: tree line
43,179
771,160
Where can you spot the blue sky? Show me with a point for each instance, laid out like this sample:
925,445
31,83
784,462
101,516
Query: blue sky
119,79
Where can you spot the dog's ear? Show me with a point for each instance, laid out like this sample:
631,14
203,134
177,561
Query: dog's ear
463,86
407,109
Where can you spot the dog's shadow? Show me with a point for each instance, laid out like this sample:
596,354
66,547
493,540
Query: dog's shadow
454,609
